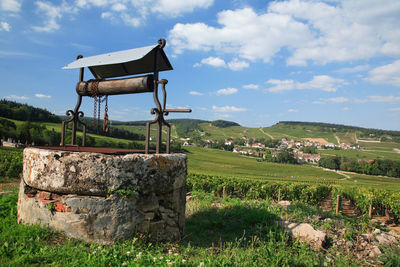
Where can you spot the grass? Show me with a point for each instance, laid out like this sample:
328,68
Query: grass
363,154
297,132
227,164
219,232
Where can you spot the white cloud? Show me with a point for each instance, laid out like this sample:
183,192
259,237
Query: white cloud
213,61
358,68
42,96
4,26
339,99
316,31
174,8
227,91
51,14
293,110
9,53
395,109
228,109
16,97
346,108
251,86
390,99
236,64
281,85
387,74
319,82
195,93
242,32
10,5
118,7
384,99
133,13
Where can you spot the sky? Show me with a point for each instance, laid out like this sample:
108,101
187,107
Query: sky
253,62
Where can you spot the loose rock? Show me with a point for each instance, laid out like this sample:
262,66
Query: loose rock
305,232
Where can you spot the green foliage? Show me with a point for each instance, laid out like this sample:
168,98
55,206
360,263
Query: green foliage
311,194
186,126
18,111
10,162
372,167
237,232
224,124
306,193
309,149
124,193
343,128
51,207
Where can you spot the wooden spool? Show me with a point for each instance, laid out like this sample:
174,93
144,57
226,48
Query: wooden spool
142,84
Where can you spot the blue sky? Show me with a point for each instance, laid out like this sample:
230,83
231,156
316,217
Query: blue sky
252,62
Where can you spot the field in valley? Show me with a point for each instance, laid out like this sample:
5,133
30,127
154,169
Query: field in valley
227,164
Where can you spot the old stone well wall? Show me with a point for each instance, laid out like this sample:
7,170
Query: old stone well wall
104,198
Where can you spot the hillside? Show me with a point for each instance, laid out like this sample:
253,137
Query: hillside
18,111
201,130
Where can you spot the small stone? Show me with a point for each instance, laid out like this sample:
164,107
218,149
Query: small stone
72,168
149,216
156,226
44,195
366,237
374,221
349,244
376,231
393,233
56,196
284,203
304,231
164,210
384,238
59,207
340,243
375,251
144,226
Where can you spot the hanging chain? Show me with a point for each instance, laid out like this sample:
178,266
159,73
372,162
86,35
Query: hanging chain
98,114
105,120
93,86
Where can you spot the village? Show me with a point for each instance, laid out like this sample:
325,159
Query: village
304,151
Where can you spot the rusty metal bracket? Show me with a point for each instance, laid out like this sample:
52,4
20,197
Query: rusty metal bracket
75,114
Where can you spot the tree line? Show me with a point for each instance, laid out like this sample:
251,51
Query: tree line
344,128
384,167
24,112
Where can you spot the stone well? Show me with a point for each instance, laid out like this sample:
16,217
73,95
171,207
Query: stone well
104,197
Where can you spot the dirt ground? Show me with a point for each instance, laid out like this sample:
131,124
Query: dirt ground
322,141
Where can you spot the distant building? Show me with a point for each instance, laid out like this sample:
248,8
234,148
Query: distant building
258,145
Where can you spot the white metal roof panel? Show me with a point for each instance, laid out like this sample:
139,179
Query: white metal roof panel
123,63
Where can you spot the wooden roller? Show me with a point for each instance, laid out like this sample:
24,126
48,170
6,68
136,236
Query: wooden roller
142,84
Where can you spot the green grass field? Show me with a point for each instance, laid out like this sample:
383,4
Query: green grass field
363,154
297,132
228,164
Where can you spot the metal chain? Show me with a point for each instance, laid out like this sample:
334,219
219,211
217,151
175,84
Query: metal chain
93,86
105,120
98,114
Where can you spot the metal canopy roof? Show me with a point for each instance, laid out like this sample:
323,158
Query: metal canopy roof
123,63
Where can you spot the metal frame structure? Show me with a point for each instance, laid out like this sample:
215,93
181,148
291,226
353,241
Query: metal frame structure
123,63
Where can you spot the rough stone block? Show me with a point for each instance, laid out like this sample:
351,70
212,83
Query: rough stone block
104,198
